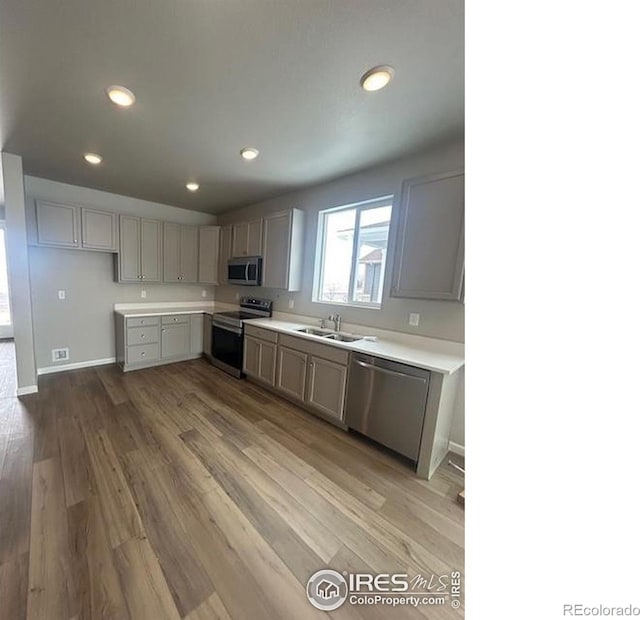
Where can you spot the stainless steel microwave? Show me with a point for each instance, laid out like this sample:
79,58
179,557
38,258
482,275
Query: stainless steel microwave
246,271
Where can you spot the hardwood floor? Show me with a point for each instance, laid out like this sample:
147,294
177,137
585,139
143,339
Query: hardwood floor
180,492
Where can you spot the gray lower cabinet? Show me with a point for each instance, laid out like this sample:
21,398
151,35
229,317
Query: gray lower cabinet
327,389
207,333
153,340
259,359
429,255
292,372
140,245
180,258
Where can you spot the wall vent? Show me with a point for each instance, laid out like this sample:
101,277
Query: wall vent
60,355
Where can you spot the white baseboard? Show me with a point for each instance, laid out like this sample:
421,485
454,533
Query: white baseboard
456,448
61,367
27,389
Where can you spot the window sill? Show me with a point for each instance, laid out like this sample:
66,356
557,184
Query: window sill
339,304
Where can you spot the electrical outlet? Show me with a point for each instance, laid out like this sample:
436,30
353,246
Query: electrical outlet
143,294
62,294
237,296
60,355
292,304
204,293
414,319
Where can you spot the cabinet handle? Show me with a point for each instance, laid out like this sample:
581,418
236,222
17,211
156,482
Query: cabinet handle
174,318
142,276
141,335
164,330
142,354
142,322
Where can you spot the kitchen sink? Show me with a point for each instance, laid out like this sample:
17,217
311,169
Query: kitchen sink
343,337
315,332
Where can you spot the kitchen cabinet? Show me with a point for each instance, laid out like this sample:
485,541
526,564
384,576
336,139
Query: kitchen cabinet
153,340
327,383
57,225
207,333
247,238
174,340
208,251
259,356
429,253
140,250
180,256
292,372
99,230
226,233
283,248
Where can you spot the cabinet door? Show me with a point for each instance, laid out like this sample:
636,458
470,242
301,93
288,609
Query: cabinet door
292,372
171,252
240,239
207,333
267,367
196,334
150,250
429,256
174,340
254,238
57,225
99,230
208,251
251,356
188,253
129,255
275,266
226,233
327,387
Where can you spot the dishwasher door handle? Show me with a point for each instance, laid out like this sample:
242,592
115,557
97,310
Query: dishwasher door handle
389,372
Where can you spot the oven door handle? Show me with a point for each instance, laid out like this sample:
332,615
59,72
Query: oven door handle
227,328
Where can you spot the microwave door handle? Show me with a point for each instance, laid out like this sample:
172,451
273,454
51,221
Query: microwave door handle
246,272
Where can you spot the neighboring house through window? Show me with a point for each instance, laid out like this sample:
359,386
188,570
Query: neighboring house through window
352,253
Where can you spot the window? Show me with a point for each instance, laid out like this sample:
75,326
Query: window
352,253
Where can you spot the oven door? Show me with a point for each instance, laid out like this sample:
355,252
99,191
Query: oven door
226,348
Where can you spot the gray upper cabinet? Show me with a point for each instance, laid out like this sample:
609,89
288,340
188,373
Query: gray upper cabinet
429,254
209,248
247,238
226,234
283,250
139,257
180,258
99,230
57,225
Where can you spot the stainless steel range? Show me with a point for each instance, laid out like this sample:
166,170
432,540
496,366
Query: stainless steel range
227,333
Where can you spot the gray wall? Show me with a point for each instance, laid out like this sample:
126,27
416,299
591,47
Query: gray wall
11,180
84,320
438,319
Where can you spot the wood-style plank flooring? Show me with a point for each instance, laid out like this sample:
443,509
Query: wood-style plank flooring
180,492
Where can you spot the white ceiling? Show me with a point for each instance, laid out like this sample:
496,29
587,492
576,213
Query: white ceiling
213,76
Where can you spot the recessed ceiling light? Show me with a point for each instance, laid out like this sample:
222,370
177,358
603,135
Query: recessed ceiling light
376,78
249,153
193,187
121,96
93,158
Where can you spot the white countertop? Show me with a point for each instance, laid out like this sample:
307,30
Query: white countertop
157,309
433,354
430,353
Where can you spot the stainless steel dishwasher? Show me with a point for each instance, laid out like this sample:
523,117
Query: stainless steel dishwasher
386,401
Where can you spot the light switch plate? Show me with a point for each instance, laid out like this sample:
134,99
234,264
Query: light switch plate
62,294
414,319
143,294
204,292
292,304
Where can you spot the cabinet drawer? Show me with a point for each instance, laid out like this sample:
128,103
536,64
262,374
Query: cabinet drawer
172,319
143,353
326,351
142,335
259,332
143,321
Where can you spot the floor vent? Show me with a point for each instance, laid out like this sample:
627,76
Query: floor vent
60,355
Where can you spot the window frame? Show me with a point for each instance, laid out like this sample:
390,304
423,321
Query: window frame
318,275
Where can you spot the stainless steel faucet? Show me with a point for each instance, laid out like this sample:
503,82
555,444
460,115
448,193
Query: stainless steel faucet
337,321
